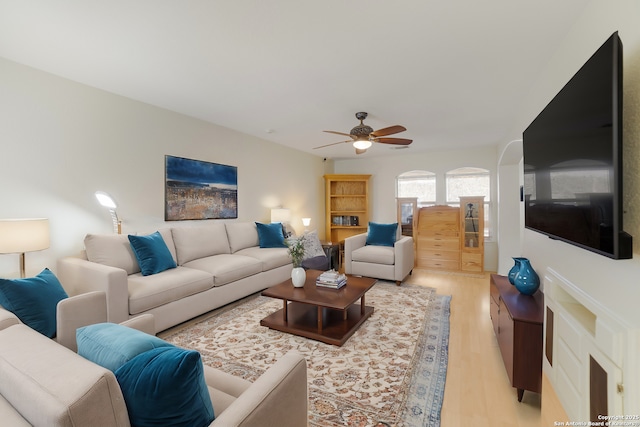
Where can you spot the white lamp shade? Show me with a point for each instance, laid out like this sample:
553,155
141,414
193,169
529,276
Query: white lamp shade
23,235
362,144
306,221
105,200
280,215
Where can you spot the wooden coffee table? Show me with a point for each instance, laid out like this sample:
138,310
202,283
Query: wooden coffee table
323,314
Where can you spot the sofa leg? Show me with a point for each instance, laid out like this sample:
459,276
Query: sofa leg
398,282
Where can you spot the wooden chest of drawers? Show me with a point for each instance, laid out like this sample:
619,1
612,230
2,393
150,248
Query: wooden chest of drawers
438,238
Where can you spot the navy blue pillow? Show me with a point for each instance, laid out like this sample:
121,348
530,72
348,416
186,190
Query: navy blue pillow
382,234
166,387
152,253
270,235
34,300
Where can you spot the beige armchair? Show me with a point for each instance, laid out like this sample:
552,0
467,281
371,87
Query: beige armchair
380,262
46,384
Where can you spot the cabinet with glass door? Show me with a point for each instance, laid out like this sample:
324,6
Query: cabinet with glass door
472,228
408,216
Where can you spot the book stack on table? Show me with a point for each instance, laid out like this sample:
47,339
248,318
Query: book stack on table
331,279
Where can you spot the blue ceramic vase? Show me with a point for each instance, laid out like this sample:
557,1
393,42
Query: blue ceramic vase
526,280
514,270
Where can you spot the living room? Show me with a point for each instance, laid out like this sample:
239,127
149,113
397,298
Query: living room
64,140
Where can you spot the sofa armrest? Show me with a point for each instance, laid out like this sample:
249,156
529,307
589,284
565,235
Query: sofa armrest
7,318
78,311
404,257
79,276
351,244
145,323
277,399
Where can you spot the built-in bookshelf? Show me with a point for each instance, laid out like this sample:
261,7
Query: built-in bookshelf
346,205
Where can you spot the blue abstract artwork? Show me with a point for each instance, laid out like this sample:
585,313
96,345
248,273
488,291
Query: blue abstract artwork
195,189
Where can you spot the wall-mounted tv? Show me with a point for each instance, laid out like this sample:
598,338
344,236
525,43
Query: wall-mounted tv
573,159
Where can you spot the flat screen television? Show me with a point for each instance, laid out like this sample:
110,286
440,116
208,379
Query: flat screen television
573,159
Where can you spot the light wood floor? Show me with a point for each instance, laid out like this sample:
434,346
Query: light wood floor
477,390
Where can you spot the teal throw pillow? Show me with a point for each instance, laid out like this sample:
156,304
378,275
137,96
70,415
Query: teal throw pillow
152,253
111,345
270,235
34,300
166,387
382,234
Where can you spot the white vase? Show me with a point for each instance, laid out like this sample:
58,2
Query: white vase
298,277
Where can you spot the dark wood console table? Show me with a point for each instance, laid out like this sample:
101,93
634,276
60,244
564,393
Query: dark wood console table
517,321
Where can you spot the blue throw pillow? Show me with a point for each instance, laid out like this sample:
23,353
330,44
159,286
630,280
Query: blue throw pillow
34,300
152,253
270,235
382,234
166,387
111,345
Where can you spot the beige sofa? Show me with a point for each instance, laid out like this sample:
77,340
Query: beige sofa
217,263
47,384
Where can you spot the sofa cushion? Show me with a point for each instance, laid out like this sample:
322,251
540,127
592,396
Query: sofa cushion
152,253
242,235
147,292
227,268
7,318
382,234
9,415
374,254
34,300
270,257
111,345
165,386
113,250
199,242
48,384
270,235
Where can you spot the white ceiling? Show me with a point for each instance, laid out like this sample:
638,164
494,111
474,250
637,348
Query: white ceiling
451,71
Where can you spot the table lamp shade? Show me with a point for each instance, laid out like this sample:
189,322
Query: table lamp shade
23,235
280,215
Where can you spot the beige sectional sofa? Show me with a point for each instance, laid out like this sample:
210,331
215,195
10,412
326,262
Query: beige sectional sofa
217,263
47,384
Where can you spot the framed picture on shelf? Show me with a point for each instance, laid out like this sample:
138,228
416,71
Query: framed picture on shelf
196,189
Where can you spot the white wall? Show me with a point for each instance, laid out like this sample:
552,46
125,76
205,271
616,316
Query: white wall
62,141
612,283
385,170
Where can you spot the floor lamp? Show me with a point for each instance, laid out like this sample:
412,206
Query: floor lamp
18,236
105,200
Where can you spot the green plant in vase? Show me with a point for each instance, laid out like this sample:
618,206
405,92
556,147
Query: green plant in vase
296,250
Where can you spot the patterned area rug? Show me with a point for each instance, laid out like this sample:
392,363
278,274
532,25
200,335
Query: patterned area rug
393,368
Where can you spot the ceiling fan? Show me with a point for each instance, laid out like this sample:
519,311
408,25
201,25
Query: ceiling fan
364,136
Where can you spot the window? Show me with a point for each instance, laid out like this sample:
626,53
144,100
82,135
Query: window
470,181
420,184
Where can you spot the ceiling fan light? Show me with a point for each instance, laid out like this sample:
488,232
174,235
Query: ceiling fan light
362,144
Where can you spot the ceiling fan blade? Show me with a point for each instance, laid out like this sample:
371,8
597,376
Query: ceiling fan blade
388,131
360,150
339,133
329,145
396,141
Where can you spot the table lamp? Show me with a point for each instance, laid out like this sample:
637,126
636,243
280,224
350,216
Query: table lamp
306,222
18,236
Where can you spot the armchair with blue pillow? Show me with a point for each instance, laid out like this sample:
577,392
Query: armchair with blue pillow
116,365
382,253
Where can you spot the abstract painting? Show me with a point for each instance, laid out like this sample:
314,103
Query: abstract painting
195,189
